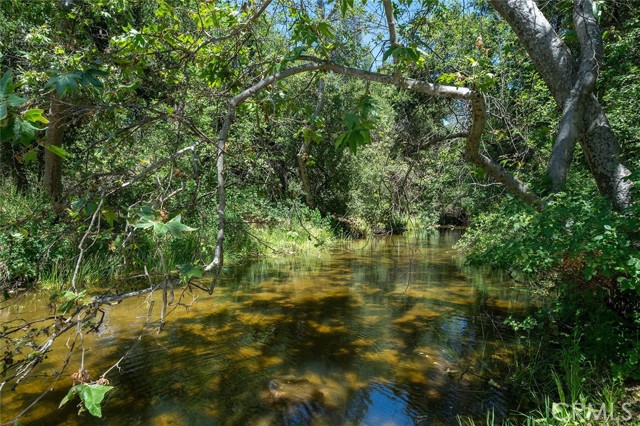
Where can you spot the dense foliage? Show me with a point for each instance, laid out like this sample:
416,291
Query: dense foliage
115,116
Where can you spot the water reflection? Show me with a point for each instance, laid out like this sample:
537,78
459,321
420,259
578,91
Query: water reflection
385,332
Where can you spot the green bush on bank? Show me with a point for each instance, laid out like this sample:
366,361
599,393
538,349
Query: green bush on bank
577,236
583,256
39,247
29,238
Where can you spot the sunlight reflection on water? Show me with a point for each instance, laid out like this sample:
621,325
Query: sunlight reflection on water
385,332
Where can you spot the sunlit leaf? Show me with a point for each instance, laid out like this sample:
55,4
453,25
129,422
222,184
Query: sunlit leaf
91,396
35,115
57,150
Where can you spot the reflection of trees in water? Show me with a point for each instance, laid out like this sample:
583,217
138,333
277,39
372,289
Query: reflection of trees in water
345,324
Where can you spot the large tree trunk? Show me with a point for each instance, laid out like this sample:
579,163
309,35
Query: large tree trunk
52,179
571,83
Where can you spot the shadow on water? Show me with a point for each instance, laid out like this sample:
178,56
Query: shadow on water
385,332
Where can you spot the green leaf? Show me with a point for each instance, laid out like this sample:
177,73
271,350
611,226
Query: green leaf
189,271
4,111
324,28
109,215
90,207
344,5
340,141
143,225
407,54
146,212
176,228
6,83
352,120
35,115
7,132
90,77
64,83
24,131
31,155
389,52
77,205
59,151
159,228
70,396
15,100
355,140
90,395
447,78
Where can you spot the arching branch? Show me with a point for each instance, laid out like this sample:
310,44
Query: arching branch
472,151
218,256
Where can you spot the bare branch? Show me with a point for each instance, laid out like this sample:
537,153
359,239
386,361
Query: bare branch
236,31
441,138
391,22
81,247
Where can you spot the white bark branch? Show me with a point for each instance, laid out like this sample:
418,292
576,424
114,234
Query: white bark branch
391,22
556,65
572,125
218,257
472,151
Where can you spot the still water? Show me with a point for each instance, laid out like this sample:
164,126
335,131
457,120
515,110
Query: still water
384,332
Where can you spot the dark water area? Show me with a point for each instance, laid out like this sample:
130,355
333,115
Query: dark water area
387,332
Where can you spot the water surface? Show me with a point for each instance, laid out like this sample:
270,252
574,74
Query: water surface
382,332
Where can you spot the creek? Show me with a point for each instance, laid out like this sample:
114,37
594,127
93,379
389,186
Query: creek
393,331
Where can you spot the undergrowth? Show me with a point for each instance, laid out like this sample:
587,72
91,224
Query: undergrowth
581,349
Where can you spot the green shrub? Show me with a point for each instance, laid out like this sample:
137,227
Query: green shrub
578,236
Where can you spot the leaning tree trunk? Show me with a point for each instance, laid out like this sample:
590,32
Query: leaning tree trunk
52,179
572,85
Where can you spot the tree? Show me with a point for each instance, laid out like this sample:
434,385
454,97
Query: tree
572,85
